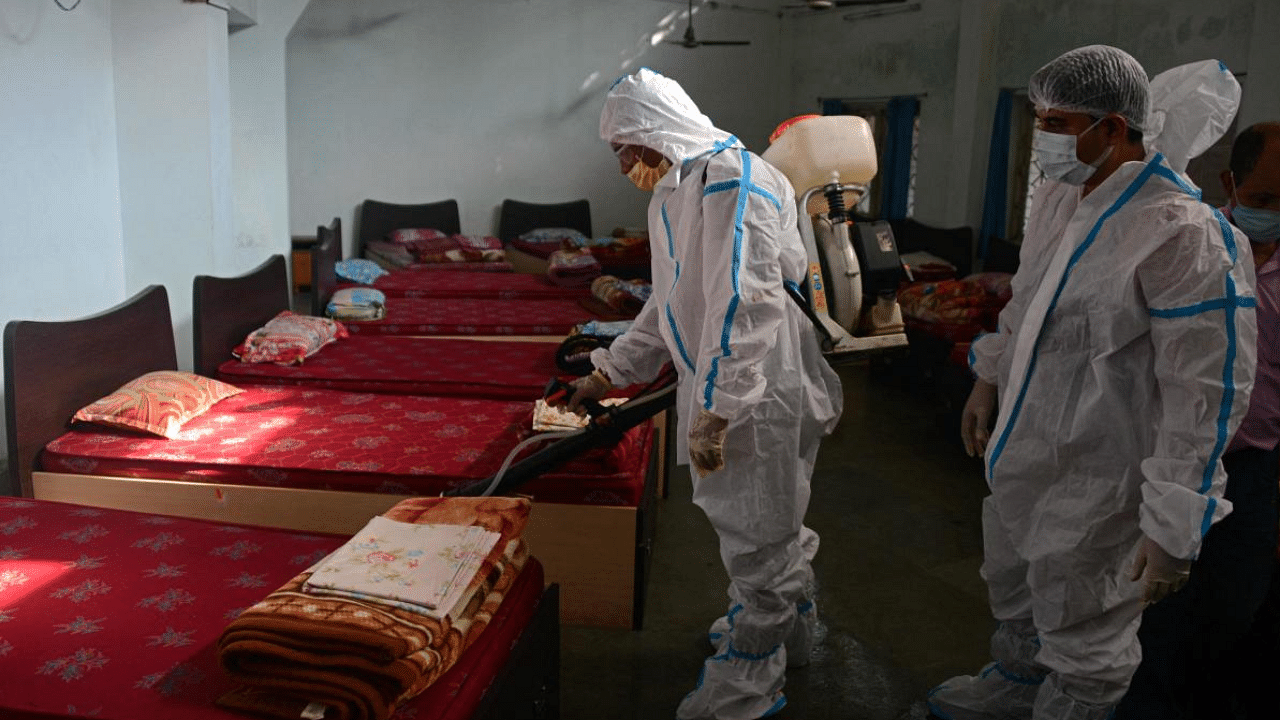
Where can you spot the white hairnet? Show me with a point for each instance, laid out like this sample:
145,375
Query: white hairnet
1096,80
1192,106
652,110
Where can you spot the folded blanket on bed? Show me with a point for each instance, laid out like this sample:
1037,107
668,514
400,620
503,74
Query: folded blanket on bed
389,255
423,568
622,251
622,296
358,270
432,246
572,268
541,242
498,266
357,303
347,658
289,339
973,300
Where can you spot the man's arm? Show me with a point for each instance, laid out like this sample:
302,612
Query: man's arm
745,301
1204,332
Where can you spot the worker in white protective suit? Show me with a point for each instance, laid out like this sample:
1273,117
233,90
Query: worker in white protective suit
755,395
1123,365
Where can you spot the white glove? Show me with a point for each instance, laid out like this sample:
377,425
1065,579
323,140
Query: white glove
706,442
975,419
589,387
1162,573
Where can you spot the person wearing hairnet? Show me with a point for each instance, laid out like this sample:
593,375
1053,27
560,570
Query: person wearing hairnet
754,395
1123,365
1193,661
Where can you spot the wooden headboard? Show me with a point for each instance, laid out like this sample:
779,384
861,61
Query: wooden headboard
326,252
518,217
52,369
226,310
379,218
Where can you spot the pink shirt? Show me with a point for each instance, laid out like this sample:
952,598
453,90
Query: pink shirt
1261,425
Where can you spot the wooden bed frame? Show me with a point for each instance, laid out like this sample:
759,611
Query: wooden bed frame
598,554
517,217
52,369
324,254
378,218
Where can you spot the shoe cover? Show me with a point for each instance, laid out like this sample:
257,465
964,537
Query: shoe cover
1053,703
733,687
993,694
1004,689
805,634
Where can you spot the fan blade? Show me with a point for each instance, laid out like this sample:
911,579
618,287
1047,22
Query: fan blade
724,42
852,3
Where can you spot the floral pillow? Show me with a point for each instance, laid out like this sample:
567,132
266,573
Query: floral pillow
287,339
159,403
358,270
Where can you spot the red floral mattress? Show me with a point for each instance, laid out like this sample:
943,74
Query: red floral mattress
415,283
494,369
363,442
475,316
116,615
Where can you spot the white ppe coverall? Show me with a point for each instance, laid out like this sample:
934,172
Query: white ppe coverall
724,239
1124,361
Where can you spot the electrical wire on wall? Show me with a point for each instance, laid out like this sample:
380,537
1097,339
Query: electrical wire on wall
64,7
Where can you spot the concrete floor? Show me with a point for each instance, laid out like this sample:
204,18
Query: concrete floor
897,505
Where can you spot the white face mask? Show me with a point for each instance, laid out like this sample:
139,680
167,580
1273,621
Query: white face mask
1056,154
646,177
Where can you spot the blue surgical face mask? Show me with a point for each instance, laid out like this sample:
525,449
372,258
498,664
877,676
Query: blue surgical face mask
1056,155
1260,224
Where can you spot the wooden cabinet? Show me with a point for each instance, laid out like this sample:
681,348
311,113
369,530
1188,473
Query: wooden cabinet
301,262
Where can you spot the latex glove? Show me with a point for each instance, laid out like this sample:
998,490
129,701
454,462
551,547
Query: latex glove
975,419
1162,573
589,387
706,442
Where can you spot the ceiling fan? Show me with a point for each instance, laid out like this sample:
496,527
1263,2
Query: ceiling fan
690,40
829,4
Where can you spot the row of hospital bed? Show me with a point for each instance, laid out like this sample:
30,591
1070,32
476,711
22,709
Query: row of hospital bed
295,462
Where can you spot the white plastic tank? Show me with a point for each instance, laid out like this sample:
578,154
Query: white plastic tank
810,148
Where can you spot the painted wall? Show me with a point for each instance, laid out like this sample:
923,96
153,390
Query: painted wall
960,54
406,101
60,225
259,139
174,146
109,184
58,162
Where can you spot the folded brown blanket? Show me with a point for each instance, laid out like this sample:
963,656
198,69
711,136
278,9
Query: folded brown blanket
572,268
624,297
356,659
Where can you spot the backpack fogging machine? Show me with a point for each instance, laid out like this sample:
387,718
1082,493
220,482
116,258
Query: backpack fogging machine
854,269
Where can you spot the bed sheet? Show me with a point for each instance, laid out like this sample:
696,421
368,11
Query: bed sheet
362,442
475,316
492,369
414,283
116,615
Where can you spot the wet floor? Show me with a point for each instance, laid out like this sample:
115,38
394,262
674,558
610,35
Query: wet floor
897,505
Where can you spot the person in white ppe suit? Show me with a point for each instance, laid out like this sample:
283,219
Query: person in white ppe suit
1123,365
754,395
